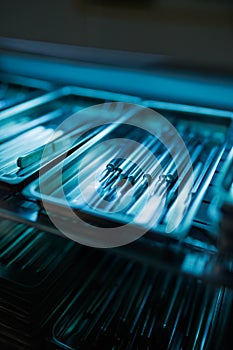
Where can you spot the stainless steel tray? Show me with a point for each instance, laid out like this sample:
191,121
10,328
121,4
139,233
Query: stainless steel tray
16,89
221,208
26,128
206,126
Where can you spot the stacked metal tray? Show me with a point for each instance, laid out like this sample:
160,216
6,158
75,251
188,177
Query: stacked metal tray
35,276
57,295
112,174
123,305
152,184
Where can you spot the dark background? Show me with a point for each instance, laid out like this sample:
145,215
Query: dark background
191,31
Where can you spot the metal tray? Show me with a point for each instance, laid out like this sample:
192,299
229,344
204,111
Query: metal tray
15,89
123,305
26,128
27,260
225,192
221,208
206,126
34,270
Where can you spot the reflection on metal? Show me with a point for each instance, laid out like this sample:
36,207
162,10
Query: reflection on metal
119,178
